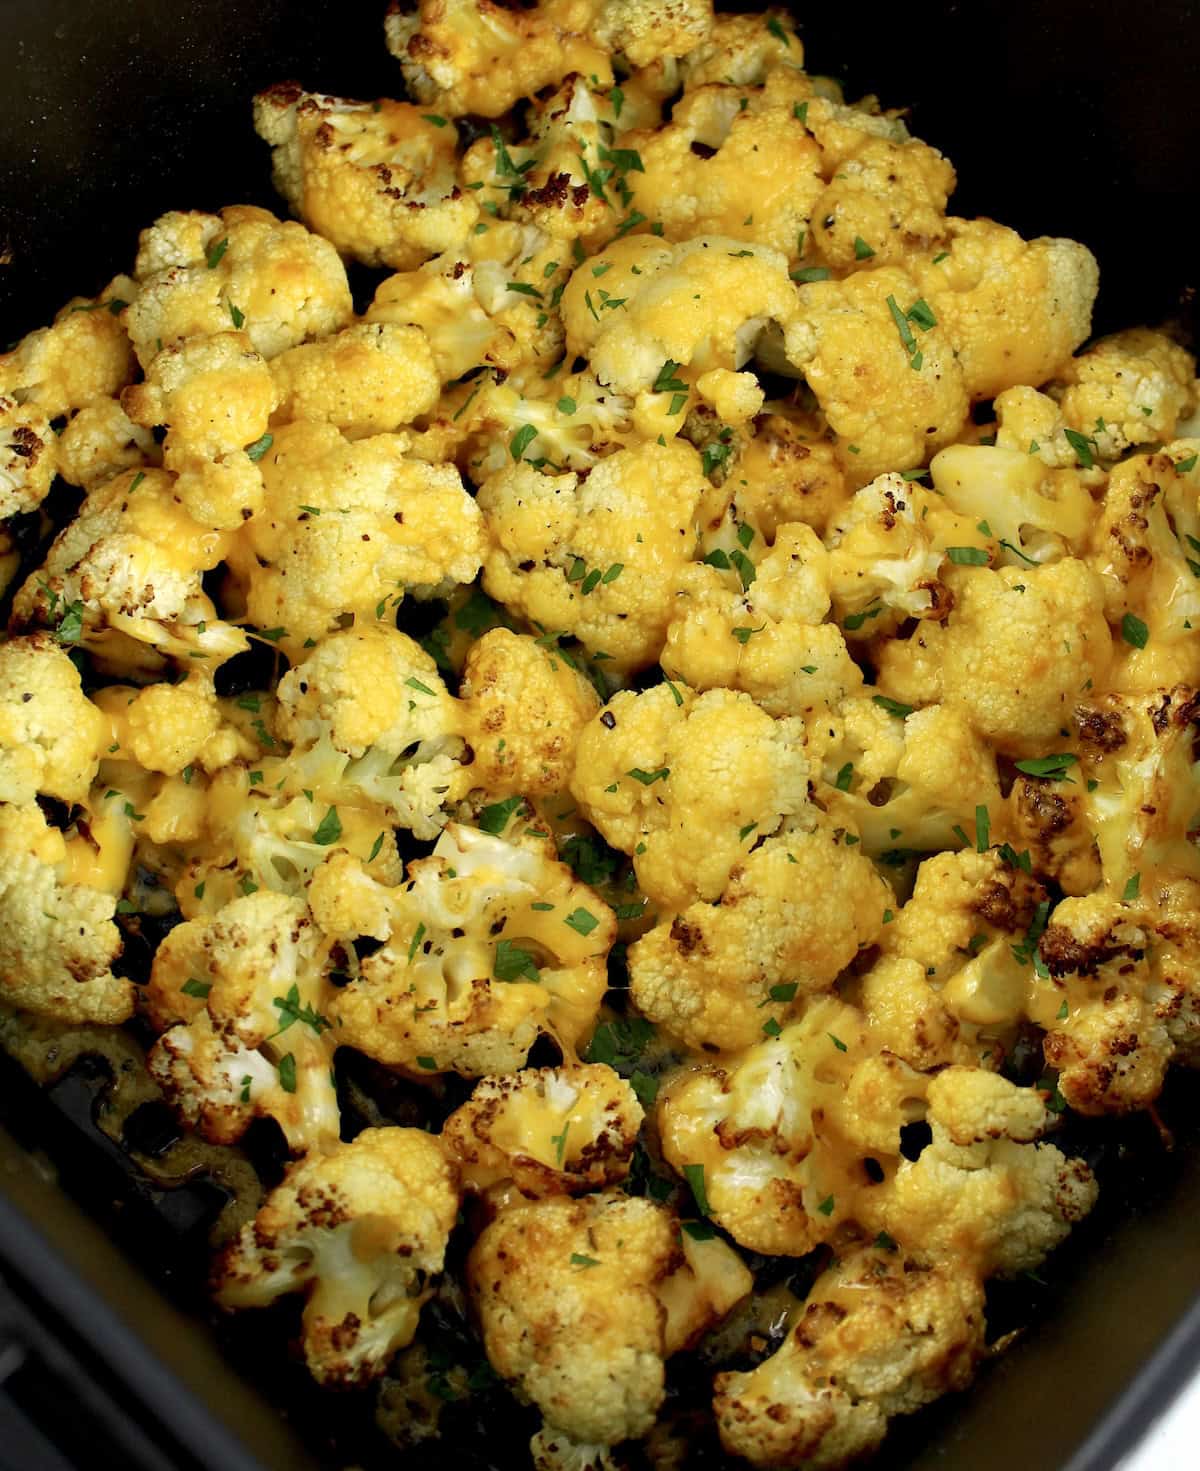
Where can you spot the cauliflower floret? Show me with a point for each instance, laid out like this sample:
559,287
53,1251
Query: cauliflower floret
741,50
791,471
166,727
83,357
981,1194
476,56
57,938
489,943
524,709
1110,1047
51,735
1050,821
1030,515
1171,911
883,562
700,779
244,997
796,910
1150,587
443,299
1032,422
347,528
550,1131
361,1231
702,304
909,1019
127,572
1015,652
372,721
101,441
719,168
755,626
904,780
879,1335
887,197
556,1274
375,178
198,273
216,396
367,379
645,31
28,457
766,1136
602,548
1129,389
1141,783
883,366
1015,310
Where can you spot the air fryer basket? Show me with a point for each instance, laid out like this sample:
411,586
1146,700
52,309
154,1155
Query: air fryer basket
1073,118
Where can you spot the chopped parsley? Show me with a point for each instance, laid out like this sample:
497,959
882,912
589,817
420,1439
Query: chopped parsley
694,1175
1134,631
862,251
329,830
582,921
968,556
1053,767
260,447
198,989
805,274
287,1073
291,1012
893,707
1082,446
521,440
648,778
512,963
983,829
212,258
1132,887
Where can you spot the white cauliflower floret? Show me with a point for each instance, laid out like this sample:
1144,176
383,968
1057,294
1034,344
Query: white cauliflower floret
797,910
1138,761
348,528
699,780
367,379
879,1335
1030,515
51,735
550,1131
981,1193
767,1135
701,304
489,943
602,548
908,785
1145,557
551,1276
28,457
375,178
883,366
84,356
127,572
215,395
361,1231
1128,389
644,31
742,50
57,939
101,441
524,708
791,471
1015,310
244,997
883,562
200,273
373,695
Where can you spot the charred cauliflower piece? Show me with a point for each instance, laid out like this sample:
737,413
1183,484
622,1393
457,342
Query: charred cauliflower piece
361,1231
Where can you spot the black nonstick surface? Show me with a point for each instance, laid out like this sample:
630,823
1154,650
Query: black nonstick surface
1073,118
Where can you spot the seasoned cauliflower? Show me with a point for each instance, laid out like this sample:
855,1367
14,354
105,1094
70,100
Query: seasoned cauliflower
244,998
367,379
28,457
57,939
101,441
701,304
361,1231
883,366
126,572
198,273
84,356
349,528
796,911
374,178
51,735
601,547
524,709
879,1335
1129,389
489,943
550,1131
791,471
688,784
1015,310
550,1277
982,1194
